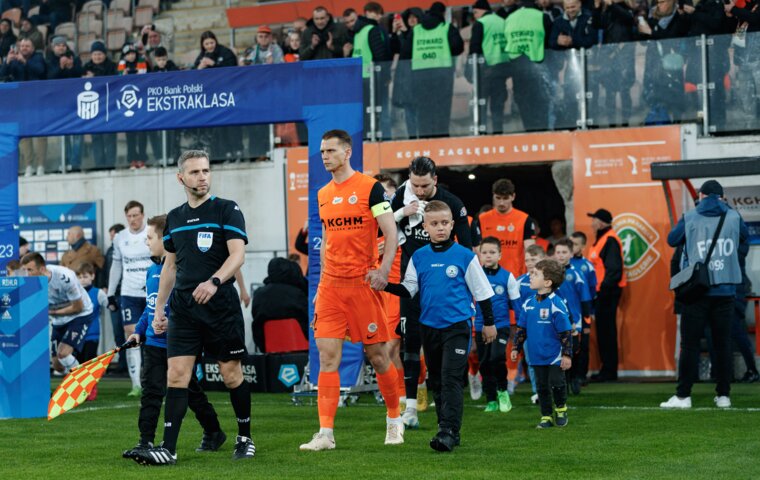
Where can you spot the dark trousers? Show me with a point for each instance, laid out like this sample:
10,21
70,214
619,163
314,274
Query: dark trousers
606,331
716,313
118,334
531,92
580,360
493,362
410,332
493,95
446,351
104,150
550,382
739,334
153,379
433,91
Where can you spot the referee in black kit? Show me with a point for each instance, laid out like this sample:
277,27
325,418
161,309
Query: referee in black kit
205,245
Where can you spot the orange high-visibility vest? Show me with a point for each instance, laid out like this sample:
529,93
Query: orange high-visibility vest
596,260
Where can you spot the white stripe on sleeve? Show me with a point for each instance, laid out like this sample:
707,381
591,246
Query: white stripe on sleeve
410,278
477,281
513,288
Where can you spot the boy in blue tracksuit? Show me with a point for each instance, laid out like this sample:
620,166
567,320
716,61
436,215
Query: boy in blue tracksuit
545,327
447,276
155,365
493,357
586,268
578,299
533,254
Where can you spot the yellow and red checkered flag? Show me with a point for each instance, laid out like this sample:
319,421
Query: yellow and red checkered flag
75,387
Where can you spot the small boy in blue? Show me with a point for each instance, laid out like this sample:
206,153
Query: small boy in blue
584,265
533,254
574,291
493,357
545,326
155,365
448,276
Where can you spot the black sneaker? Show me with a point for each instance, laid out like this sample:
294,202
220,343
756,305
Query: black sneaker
560,415
444,441
750,376
244,448
156,456
211,442
546,422
575,386
140,446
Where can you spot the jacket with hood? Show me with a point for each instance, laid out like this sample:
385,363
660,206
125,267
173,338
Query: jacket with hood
284,295
339,38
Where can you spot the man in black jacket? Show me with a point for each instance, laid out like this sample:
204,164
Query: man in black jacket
323,38
282,296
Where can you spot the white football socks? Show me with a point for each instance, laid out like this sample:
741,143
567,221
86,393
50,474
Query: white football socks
134,361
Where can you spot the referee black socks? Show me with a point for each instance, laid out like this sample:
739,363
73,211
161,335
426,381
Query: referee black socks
174,412
240,397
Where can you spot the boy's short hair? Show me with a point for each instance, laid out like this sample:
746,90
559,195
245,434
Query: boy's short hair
579,235
33,257
535,250
343,137
504,187
564,242
158,223
552,271
132,204
374,7
437,206
85,267
492,241
385,178
160,52
116,227
13,265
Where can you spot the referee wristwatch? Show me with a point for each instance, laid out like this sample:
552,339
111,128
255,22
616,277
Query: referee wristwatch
216,281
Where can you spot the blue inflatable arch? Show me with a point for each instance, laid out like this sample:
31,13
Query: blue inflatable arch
323,94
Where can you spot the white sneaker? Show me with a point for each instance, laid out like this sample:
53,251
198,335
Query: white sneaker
675,402
394,433
318,442
722,402
409,418
40,171
534,399
28,171
476,386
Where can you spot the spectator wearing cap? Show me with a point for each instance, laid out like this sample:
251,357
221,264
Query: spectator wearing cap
7,37
323,37
695,232
132,63
265,51
606,255
488,41
103,145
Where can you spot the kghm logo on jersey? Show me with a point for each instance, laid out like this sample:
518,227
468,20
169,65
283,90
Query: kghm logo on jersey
638,238
205,240
129,101
451,271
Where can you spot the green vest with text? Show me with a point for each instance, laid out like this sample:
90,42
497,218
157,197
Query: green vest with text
362,50
431,48
524,32
494,40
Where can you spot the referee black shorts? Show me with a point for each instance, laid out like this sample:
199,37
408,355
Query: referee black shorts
216,328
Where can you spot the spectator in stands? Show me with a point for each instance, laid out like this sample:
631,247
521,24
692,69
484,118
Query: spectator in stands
152,38
616,19
29,30
574,29
116,322
402,82
62,62
132,63
265,51
81,251
663,70
434,44
508,7
284,295
103,145
299,25
54,12
550,9
161,63
747,57
323,37
527,30
227,141
487,40
21,65
349,19
24,5
7,37
291,49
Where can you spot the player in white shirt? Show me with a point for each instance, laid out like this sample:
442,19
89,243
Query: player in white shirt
70,309
131,259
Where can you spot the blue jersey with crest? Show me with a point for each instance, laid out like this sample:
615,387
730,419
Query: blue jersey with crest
144,327
506,295
544,318
574,291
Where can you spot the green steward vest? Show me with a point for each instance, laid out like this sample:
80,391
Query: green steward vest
494,40
362,50
524,32
431,48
